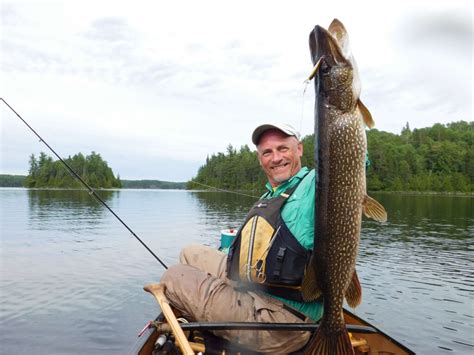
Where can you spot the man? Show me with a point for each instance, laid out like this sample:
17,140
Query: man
259,280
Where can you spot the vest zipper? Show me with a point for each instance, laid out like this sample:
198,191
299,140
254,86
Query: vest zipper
249,257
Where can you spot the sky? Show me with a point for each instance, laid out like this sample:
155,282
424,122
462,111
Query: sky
157,86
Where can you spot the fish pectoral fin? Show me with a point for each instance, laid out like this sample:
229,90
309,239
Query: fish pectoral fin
373,209
309,287
354,291
366,115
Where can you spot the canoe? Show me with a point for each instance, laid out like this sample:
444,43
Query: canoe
169,334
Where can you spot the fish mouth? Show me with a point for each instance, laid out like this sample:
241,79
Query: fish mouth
339,79
323,45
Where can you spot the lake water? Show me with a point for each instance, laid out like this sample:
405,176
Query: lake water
72,275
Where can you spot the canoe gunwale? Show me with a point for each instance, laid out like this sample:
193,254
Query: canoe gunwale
215,326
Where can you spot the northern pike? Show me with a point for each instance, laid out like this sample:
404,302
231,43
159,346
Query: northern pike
341,197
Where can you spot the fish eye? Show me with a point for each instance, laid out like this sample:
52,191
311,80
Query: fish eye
324,67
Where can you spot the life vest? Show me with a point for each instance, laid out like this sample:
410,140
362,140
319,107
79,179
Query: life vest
265,255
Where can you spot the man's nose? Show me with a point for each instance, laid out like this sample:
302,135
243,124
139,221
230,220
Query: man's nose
277,157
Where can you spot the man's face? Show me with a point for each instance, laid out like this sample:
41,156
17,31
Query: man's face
279,155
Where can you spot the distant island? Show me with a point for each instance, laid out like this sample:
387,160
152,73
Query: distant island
44,172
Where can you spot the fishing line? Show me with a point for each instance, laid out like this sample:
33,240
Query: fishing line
305,87
90,189
224,190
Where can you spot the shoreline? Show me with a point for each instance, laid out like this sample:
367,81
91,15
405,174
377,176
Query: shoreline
431,193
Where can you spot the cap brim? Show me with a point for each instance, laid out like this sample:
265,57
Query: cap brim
257,133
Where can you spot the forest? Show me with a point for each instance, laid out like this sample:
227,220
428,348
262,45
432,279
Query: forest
7,180
433,159
46,172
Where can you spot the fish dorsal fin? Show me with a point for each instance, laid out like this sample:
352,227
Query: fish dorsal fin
354,291
373,209
366,115
309,287
339,32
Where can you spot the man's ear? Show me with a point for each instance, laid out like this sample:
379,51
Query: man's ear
300,149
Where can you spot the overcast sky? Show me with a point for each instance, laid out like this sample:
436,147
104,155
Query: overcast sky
156,86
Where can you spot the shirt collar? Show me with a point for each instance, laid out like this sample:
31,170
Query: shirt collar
295,179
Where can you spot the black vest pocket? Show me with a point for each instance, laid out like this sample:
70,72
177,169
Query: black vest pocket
286,260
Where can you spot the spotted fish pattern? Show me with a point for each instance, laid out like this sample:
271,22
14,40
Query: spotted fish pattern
340,153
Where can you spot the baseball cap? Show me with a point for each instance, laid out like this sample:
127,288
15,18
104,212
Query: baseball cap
283,127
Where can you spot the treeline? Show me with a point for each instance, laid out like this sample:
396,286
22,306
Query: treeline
439,158
233,170
152,184
46,172
12,180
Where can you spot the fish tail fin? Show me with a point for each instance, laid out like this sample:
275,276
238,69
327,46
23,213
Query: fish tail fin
334,344
309,286
354,292
373,209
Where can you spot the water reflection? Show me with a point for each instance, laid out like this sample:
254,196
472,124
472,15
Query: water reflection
421,210
68,199
73,205
226,208
225,202
417,270
67,219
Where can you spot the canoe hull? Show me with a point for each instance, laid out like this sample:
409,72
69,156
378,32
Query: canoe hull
365,342
377,343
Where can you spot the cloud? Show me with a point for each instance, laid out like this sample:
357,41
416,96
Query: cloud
8,15
25,58
428,70
24,50
208,84
452,28
111,30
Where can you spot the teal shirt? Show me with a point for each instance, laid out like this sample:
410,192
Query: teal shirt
298,214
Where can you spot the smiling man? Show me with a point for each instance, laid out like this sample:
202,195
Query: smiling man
260,279
279,151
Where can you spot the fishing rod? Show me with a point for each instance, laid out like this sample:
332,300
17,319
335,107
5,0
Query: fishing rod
90,189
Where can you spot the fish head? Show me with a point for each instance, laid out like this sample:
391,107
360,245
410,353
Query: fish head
337,77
